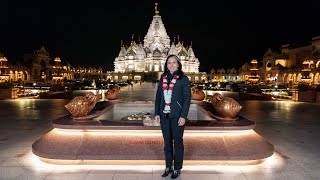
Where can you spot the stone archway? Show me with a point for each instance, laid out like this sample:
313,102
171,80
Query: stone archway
16,76
318,64
298,79
268,66
294,78
311,75
285,78
26,76
20,75
290,78
316,78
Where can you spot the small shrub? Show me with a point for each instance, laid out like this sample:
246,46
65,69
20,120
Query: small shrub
304,87
254,89
6,85
235,87
57,87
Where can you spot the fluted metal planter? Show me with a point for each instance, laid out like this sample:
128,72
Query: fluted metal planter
198,94
112,96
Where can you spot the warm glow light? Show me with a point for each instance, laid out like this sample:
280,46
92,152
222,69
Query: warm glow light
125,164
193,133
254,61
276,161
306,69
34,91
3,59
68,132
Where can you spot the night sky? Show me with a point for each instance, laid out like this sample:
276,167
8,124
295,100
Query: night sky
224,33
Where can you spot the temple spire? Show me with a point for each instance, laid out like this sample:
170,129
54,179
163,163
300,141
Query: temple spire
121,43
156,9
191,44
178,38
132,39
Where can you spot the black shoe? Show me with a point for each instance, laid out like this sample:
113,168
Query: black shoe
175,174
167,171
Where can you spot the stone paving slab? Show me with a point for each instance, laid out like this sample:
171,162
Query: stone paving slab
284,124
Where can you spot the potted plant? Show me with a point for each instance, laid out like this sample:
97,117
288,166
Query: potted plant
197,94
113,92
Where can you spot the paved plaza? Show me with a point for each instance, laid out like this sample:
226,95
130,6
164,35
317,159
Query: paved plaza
292,127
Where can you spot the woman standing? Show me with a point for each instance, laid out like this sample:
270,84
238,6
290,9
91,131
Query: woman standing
171,110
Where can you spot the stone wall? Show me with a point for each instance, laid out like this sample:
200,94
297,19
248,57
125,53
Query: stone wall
8,93
305,96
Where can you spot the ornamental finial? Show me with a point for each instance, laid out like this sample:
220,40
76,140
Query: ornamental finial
132,39
156,8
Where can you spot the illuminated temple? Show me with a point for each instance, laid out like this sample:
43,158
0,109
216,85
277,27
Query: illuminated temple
149,57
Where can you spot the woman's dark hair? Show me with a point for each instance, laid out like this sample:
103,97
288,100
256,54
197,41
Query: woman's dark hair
179,71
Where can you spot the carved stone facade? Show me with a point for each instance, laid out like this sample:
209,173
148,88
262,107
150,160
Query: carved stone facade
293,64
148,58
4,73
223,75
39,67
250,73
40,64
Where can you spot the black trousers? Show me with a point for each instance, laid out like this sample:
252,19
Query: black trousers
173,141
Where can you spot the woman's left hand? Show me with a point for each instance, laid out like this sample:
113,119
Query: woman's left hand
181,121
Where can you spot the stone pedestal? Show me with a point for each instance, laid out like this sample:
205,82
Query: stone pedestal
102,141
148,145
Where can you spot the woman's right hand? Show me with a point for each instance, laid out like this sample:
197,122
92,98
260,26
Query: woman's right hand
157,118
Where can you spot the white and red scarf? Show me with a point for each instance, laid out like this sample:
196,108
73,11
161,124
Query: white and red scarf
167,92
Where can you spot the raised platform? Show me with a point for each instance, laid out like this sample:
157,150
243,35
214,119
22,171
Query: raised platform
110,140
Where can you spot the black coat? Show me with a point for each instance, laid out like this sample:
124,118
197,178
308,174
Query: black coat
180,100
